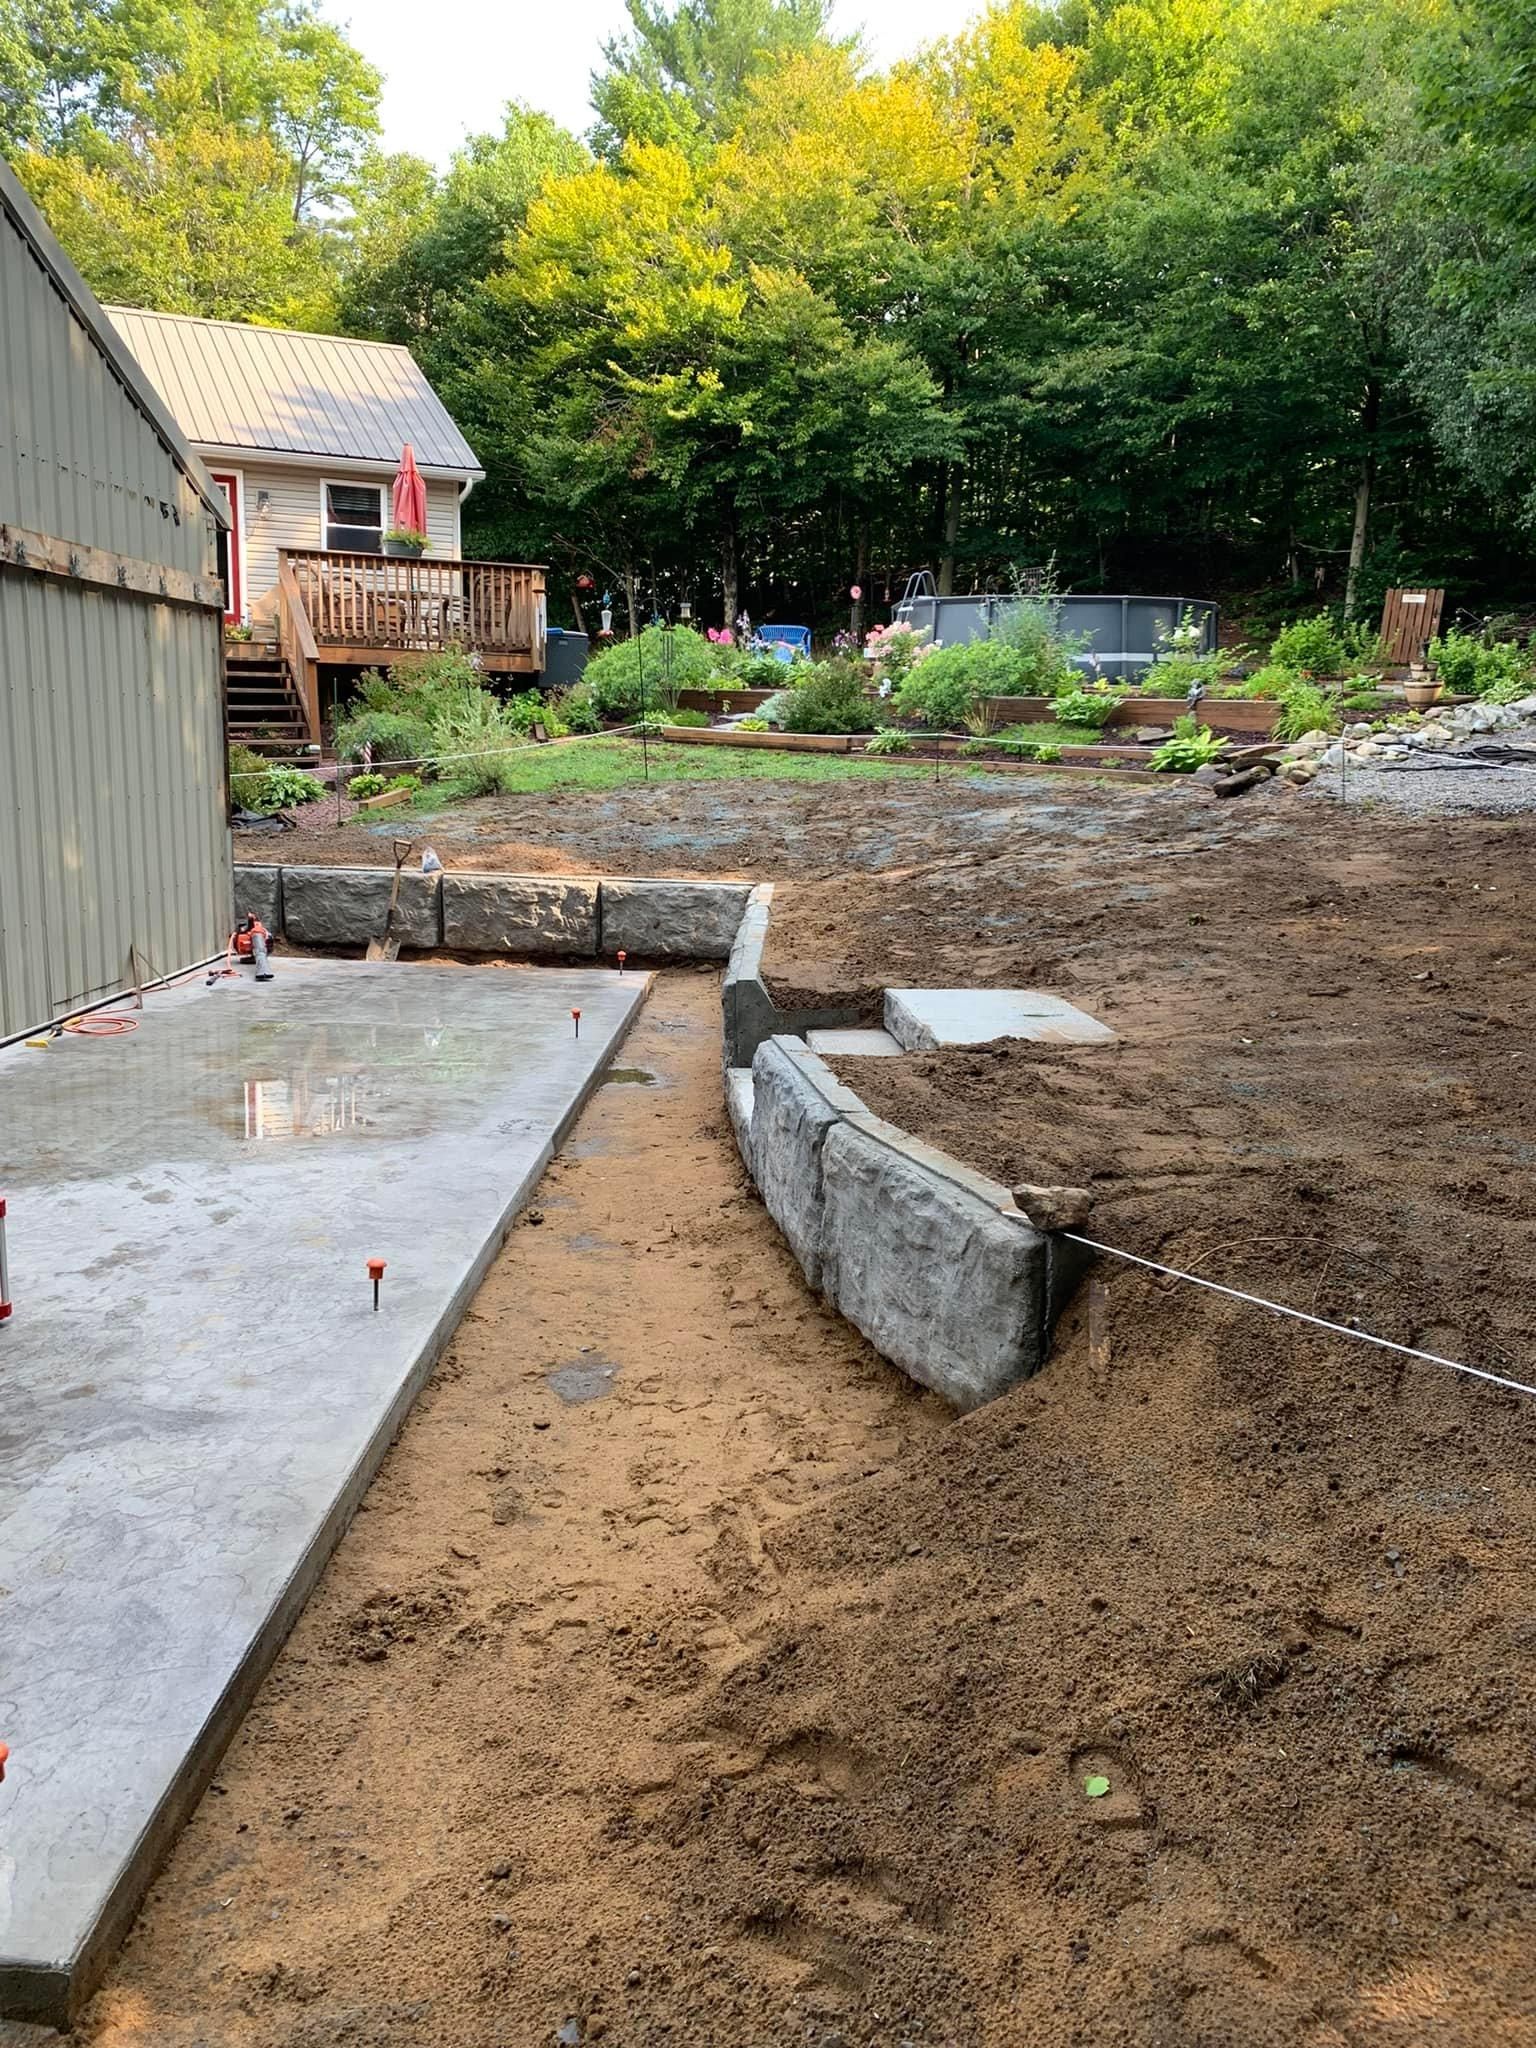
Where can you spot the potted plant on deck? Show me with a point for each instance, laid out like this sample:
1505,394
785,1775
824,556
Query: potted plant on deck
405,540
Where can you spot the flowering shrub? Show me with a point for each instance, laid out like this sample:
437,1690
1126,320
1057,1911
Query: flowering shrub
896,649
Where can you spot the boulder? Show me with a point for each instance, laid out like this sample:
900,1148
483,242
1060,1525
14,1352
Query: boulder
520,914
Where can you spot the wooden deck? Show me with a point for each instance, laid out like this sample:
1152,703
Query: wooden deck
363,611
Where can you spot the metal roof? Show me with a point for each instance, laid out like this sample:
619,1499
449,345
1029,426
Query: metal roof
265,389
17,202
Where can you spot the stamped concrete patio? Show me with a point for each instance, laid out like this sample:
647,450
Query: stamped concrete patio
196,1388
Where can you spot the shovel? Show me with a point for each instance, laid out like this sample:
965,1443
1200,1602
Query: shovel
388,947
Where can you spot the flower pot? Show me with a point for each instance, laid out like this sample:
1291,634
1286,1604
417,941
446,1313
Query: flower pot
1422,691
411,550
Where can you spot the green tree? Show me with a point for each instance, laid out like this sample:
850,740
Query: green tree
680,78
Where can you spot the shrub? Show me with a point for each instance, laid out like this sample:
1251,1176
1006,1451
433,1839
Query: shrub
391,735
776,709
410,783
895,650
694,718
573,709
751,672
1499,669
362,786
615,680
1312,645
1191,747
889,740
470,742
1175,674
1030,630
946,686
1086,707
1305,708
247,772
1271,681
751,725
829,699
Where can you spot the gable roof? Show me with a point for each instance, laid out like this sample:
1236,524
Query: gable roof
140,390
270,391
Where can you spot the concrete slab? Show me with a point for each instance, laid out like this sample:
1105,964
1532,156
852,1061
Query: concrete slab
196,1391
922,1018
854,1044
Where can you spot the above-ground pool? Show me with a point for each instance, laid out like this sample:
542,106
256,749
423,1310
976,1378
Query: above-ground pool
1125,634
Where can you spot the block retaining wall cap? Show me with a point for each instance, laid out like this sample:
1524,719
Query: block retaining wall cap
790,1120
520,914
940,1282
672,920
348,906
259,893
748,1012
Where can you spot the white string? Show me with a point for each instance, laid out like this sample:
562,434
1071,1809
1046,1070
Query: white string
1300,1315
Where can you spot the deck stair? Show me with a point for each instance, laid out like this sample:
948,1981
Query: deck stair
261,707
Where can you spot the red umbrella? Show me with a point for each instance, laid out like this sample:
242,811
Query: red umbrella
410,498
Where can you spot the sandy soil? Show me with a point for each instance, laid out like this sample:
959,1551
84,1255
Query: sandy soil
755,1703
443,1822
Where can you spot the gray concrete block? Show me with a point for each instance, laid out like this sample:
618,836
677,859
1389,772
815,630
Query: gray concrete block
791,1117
259,893
935,1276
854,1044
523,914
672,920
738,1100
921,1018
748,1012
348,906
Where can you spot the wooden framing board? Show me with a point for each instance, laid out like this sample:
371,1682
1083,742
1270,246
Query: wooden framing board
46,555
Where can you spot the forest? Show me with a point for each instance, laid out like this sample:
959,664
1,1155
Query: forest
1216,297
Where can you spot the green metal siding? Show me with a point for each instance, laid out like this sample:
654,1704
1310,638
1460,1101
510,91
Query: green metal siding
112,808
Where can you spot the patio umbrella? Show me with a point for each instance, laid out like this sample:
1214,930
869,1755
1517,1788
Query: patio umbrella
410,495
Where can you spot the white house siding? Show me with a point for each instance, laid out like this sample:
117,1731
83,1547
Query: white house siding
292,516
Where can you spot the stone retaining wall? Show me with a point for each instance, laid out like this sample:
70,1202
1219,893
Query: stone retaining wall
932,1262
567,917
749,1013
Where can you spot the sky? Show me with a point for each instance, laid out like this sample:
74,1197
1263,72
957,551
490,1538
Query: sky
451,65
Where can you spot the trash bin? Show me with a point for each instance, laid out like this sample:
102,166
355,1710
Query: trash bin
565,657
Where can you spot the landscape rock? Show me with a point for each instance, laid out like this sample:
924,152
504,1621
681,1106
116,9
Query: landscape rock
520,914
348,906
671,920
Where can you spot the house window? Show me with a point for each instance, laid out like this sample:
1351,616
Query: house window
353,517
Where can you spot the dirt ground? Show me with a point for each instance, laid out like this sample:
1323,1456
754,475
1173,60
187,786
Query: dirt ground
762,829
1183,1698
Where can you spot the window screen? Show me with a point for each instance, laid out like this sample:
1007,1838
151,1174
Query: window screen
354,517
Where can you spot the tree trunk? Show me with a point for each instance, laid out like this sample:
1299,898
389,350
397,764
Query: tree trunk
952,476
861,578
632,601
1370,413
730,571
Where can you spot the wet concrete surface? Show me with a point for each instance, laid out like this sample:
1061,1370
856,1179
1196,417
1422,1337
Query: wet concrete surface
196,1386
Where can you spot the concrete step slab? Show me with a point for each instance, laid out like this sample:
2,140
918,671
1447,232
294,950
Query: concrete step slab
853,1044
921,1019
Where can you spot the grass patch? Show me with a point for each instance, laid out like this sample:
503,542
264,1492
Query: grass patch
1054,734
616,763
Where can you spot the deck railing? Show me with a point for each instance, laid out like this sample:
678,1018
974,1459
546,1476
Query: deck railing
380,605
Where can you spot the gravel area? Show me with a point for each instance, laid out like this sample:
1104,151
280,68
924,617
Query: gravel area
1487,791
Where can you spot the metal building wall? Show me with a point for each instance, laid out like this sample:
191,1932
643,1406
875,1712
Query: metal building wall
113,827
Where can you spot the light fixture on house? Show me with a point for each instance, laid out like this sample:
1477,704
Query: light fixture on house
263,502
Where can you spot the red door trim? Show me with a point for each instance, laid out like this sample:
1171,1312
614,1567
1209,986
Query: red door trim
229,481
